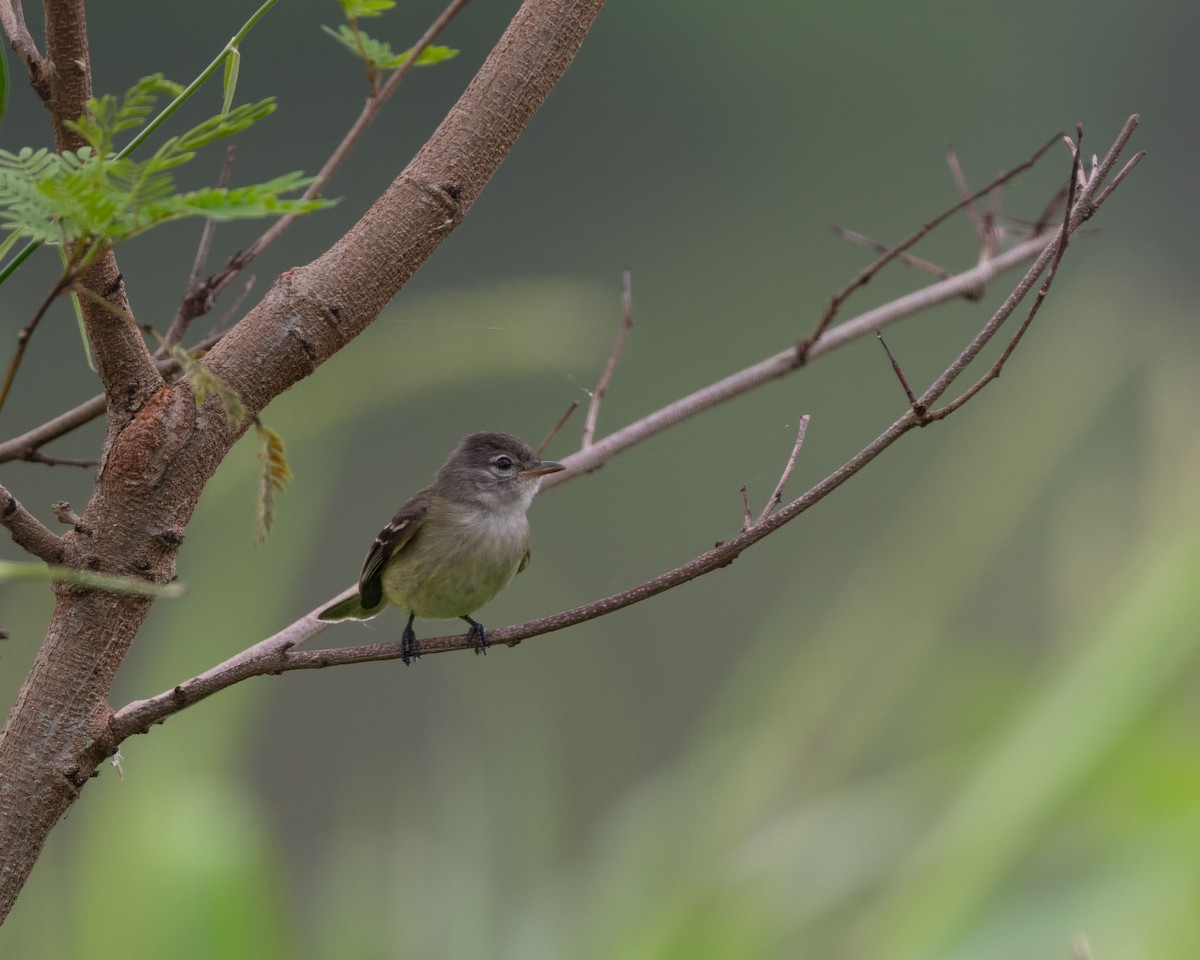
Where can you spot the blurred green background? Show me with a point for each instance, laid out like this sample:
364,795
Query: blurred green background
950,713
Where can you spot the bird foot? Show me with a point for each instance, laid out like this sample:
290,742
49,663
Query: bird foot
479,635
408,645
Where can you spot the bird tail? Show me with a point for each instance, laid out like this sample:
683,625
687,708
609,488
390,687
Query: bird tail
349,609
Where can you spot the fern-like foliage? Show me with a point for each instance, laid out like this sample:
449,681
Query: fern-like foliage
378,54
94,195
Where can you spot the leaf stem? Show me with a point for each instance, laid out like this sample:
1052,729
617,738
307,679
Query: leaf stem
195,85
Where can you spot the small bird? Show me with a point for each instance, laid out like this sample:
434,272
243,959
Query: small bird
455,544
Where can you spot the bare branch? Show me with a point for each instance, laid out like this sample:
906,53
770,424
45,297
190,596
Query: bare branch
548,439
589,426
906,258
198,298
896,369
12,18
1059,249
24,335
28,532
746,521
36,456
865,275
964,191
278,653
777,496
785,362
1116,181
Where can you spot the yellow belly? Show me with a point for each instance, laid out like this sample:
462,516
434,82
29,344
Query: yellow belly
455,568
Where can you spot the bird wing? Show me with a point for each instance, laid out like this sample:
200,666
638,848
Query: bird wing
524,562
391,540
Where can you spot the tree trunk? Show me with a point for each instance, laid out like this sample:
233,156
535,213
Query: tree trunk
162,449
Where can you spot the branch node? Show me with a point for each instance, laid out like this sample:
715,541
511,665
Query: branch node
68,517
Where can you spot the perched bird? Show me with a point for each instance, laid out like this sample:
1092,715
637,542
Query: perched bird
455,544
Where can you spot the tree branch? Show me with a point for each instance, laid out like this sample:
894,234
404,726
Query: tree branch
787,361
28,532
864,276
12,18
279,653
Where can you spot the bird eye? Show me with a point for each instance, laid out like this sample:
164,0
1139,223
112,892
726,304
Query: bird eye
503,463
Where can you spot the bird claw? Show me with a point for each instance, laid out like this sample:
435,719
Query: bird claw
478,634
408,645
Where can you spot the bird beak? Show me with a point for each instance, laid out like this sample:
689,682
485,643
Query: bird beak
542,467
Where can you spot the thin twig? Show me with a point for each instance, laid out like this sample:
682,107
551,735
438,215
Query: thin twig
36,456
777,496
1116,181
964,191
197,299
589,426
557,427
905,258
804,347
24,334
998,366
785,362
912,400
746,522
1050,211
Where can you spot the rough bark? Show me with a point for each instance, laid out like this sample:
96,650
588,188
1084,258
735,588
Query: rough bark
162,449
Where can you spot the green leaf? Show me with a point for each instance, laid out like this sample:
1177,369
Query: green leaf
379,53
430,55
274,475
232,63
353,9
93,195
10,570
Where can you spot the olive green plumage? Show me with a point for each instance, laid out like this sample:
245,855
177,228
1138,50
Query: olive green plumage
457,543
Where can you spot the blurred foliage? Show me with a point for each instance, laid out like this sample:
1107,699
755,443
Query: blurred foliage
951,714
